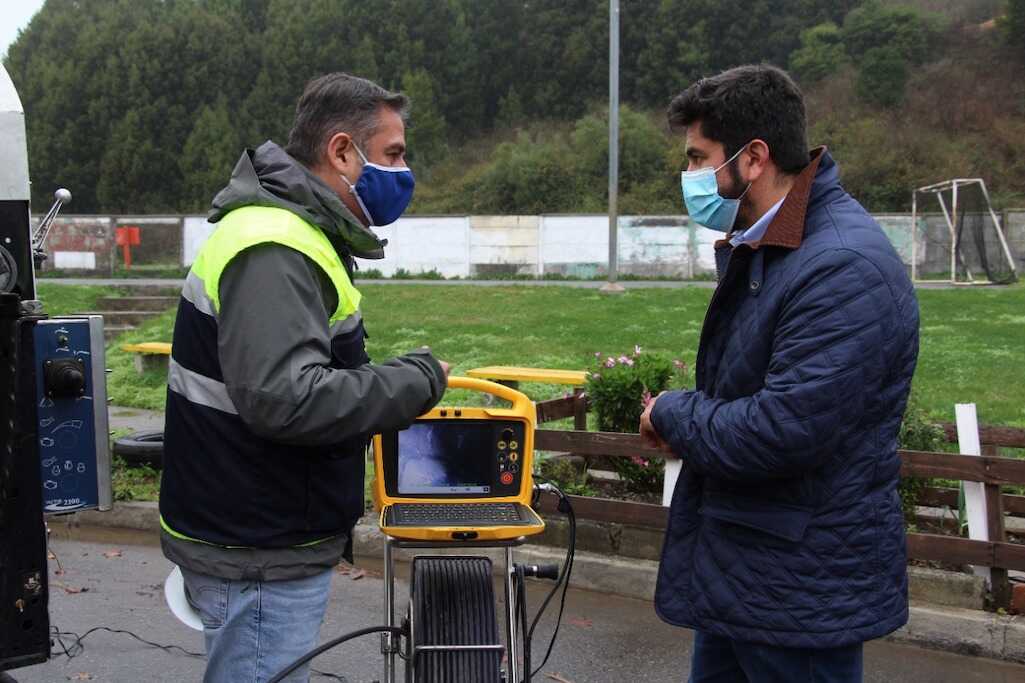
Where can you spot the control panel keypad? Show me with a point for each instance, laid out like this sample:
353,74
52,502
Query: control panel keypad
507,447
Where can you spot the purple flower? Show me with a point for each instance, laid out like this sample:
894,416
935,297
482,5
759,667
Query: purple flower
597,354
625,361
610,362
637,350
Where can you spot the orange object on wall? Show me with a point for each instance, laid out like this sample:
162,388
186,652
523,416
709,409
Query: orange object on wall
126,237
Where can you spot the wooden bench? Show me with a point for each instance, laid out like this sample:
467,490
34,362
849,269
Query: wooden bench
149,355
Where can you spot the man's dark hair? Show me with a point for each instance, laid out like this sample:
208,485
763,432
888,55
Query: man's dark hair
338,103
744,103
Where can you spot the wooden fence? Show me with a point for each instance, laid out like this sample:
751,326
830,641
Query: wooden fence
993,471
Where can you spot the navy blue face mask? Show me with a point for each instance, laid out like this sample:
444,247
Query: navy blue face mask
383,192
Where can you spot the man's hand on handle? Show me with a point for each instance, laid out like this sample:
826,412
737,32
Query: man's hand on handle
647,430
446,368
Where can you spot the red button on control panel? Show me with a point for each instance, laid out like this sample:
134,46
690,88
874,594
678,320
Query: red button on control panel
507,478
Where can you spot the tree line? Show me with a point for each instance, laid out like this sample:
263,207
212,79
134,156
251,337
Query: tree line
145,105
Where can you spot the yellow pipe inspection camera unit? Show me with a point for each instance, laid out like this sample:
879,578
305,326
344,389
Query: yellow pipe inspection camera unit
460,479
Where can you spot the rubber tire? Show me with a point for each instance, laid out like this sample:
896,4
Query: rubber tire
141,448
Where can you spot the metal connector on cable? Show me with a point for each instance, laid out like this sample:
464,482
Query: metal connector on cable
541,571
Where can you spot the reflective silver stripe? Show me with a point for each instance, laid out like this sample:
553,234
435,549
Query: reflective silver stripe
194,292
347,324
199,388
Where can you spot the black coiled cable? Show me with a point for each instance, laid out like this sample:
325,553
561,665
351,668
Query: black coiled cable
566,508
330,644
454,604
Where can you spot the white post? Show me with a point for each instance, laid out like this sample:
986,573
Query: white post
672,472
953,237
968,443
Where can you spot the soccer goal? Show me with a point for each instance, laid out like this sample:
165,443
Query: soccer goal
977,248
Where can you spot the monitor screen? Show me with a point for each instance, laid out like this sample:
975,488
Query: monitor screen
446,458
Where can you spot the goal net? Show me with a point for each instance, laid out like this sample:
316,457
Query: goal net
957,236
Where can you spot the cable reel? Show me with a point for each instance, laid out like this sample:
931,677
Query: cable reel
454,632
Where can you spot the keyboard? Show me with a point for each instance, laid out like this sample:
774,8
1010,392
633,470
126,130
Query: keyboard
456,514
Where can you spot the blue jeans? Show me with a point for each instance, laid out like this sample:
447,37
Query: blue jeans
722,660
254,629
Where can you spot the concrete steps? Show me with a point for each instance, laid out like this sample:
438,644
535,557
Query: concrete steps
149,290
137,303
129,318
114,331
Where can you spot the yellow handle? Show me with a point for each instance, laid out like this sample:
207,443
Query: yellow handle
518,399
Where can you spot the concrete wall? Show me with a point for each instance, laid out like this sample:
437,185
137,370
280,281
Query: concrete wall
419,245
485,246
79,243
160,239
1014,231
195,230
87,243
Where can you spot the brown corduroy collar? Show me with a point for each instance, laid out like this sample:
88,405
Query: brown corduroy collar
787,227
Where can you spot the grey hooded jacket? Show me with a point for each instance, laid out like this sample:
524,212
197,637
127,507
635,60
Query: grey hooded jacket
274,348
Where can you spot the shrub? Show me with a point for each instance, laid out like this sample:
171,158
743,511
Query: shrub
917,433
566,475
618,388
821,53
882,77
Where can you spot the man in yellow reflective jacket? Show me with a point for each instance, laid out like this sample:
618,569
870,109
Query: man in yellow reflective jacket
271,395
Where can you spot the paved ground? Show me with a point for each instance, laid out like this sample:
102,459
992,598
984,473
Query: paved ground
576,284
115,579
135,419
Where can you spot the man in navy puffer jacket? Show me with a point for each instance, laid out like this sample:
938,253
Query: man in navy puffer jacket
785,548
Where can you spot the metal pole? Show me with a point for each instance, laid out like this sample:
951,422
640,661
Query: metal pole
387,644
953,238
998,224
914,236
612,285
950,229
510,618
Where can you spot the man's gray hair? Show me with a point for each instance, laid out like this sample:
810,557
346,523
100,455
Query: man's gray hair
338,103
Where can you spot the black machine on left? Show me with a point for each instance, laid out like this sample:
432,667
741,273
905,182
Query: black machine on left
54,438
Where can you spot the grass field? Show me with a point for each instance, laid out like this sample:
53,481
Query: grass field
973,341
972,349
64,299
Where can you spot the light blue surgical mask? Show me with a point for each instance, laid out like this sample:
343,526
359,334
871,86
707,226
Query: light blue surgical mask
383,192
704,203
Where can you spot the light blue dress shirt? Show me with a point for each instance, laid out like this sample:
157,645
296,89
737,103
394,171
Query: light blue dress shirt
757,231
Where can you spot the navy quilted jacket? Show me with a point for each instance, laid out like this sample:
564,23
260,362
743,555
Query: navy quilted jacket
785,526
